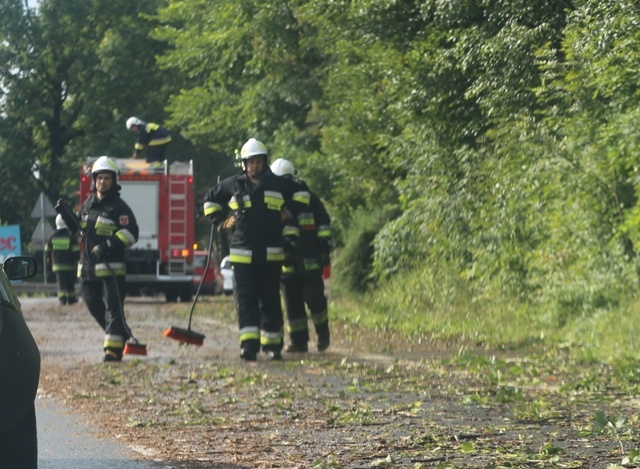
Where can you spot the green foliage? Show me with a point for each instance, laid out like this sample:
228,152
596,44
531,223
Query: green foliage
353,262
479,159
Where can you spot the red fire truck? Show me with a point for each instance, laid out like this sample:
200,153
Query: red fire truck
161,196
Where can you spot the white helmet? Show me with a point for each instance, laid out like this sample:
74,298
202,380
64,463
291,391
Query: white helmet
60,224
253,148
133,121
280,167
102,164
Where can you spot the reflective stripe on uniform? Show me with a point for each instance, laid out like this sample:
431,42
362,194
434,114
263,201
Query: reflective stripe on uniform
324,231
311,264
240,256
60,244
104,226
118,268
275,254
273,200
290,230
249,333
297,325
211,207
304,197
126,237
320,318
159,141
271,338
234,204
63,267
307,221
113,341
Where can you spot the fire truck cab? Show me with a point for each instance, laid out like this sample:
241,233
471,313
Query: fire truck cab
161,196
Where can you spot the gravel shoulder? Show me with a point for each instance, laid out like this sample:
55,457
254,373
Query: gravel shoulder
417,406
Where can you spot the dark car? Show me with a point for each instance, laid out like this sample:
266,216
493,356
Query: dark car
19,372
212,284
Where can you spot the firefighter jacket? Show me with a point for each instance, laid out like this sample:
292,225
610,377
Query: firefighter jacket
257,208
151,134
313,247
62,251
110,223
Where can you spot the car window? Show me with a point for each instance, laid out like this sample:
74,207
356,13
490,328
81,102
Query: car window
199,261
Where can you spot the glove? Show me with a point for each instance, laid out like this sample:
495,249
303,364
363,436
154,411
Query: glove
100,251
70,219
285,215
228,224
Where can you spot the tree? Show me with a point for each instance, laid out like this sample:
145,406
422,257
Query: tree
70,72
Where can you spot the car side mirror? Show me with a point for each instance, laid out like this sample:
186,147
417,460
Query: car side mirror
20,267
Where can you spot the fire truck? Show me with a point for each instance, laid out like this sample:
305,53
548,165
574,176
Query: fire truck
161,196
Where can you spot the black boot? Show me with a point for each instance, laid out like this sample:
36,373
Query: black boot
112,354
324,341
297,347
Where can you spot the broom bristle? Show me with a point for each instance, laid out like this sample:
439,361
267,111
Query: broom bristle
184,336
134,349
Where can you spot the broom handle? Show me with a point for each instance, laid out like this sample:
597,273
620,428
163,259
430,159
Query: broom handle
206,269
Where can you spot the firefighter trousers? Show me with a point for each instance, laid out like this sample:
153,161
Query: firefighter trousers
302,291
105,300
67,286
155,153
257,298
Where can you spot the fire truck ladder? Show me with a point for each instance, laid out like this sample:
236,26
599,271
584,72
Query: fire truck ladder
177,224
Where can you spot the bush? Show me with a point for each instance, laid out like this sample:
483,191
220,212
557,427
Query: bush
353,263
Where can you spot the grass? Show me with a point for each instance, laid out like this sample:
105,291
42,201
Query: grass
421,307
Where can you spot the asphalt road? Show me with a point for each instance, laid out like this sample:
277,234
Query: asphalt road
66,442
65,439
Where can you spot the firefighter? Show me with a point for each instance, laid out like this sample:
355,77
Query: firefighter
62,253
150,135
302,283
257,205
108,228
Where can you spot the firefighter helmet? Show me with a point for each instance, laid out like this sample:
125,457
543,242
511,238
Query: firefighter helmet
280,167
253,148
131,121
60,224
102,164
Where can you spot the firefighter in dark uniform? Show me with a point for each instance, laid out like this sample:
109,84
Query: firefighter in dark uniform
62,253
150,135
260,204
302,283
108,228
